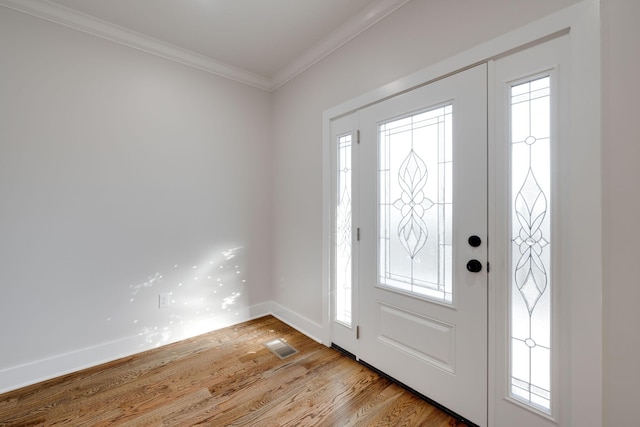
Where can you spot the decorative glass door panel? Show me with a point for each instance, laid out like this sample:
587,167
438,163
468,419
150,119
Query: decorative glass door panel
531,144
415,203
531,231
343,248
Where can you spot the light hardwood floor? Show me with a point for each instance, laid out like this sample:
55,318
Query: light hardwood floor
224,378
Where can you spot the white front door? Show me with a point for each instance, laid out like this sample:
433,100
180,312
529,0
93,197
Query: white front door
423,240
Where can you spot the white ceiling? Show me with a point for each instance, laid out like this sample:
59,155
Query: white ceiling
270,41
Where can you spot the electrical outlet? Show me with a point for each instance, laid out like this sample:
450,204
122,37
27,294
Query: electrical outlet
164,300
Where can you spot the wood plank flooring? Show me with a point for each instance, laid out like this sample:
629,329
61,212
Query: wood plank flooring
224,378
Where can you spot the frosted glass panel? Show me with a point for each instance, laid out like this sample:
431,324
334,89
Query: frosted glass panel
530,249
415,204
343,232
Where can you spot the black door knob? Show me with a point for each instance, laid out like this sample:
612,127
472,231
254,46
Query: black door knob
475,241
474,266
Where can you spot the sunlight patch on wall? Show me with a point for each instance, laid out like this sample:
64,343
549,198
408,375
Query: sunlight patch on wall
199,297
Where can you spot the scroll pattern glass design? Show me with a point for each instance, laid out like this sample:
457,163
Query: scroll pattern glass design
531,230
415,204
343,232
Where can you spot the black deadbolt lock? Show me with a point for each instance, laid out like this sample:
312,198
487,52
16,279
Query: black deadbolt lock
474,266
475,241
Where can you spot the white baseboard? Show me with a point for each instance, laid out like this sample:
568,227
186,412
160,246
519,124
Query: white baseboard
45,369
297,321
30,373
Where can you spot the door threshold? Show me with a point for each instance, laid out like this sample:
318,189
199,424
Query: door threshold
343,351
418,394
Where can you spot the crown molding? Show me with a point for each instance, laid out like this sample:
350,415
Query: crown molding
355,26
91,25
79,21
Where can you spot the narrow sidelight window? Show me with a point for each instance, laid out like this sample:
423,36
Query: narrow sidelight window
530,295
343,232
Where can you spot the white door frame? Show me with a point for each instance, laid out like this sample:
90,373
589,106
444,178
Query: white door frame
582,386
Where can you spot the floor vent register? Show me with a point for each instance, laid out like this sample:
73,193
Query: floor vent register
280,348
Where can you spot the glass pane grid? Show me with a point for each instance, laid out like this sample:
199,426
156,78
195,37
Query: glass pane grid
343,232
530,310
414,176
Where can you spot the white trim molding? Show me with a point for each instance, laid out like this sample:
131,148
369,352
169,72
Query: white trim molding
88,24
297,321
364,20
79,21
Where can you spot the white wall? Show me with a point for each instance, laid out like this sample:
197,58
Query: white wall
621,209
120,172
116,165
420,34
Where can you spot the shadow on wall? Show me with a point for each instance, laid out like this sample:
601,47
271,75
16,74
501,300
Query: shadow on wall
189,300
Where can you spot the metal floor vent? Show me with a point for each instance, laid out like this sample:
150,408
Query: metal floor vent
280,348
